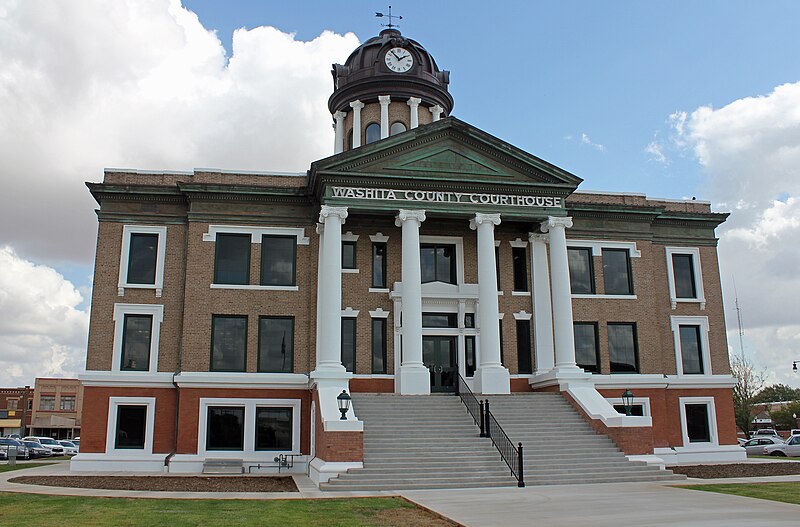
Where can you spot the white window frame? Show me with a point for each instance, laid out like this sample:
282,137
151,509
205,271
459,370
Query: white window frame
705,351
643,401
124,259
111,429
120,310
250,406
712,417
458,241
597,247
350,237
378,237
694,252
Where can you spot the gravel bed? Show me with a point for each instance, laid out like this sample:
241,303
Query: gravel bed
737,470
167,483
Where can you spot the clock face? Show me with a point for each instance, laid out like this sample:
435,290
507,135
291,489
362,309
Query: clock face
399,60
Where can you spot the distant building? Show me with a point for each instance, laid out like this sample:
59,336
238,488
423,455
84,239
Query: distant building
15,410
57,405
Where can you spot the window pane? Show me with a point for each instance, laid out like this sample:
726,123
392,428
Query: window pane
469,320
378,345
131,423
616,272
427,255
276,344
278,260
68,403
622,348
232,259
47,402
683,269
497,267
142,259
586,349
349,344
440,320
697,426
524,360
438,263
378,265
273,428
348,255
469,355
581,273
136,342
397,128
228,343
520,258
225,430
691,353
373,133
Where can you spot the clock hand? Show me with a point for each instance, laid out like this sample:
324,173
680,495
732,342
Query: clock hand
396,56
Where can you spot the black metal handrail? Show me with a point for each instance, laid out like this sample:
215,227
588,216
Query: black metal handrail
474,407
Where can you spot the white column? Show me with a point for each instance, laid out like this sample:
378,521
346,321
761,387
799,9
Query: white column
384,100
490,376
338,145
329,358
436,111
542,307
414,376
357,106
563,336
413,104
320,301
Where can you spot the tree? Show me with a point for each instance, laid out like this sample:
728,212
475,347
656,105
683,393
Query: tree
777,392
783,416
748,383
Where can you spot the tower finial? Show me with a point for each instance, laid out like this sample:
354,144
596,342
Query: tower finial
389,16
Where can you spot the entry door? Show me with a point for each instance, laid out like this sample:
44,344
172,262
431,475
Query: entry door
439,355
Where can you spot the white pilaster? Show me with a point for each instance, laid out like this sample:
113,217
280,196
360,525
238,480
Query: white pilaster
542,306
384,100
436,112
357,106
413,104
414,376
338,145
490,376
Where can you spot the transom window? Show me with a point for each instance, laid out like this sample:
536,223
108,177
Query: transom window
438,263
587,351
617,278
136,339
581,270
372,133
622,348
276,344
440,320
130,427
228,342
232,259
278,257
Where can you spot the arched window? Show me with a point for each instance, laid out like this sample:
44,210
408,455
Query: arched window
397,128
373,133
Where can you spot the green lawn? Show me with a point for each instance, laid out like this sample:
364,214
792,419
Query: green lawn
35,510
785,492
19,466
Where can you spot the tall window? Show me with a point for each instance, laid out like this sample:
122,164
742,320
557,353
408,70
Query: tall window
136,338
274,428
524,361
691,349
373,133
622,348
47,402
142,258
378,345
232,259
225,428
587,351
397,128
581,270
438,263
379,265
698,428
130,427
349,255
278,256
67,403
683,272
617,278
228,343
469,355
349,344
12,404
276,344
520,258
497,267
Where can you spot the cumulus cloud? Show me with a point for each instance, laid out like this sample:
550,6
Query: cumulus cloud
656,151
42,330
587,141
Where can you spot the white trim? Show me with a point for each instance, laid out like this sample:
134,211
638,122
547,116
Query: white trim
617,297
350,271
320,471
705,347
255,232
349,312
520,293
127,230
643,401
293,381
631,380
349,237
597,246
256,287
522,315
379,290
518,243
712,418
497,243
698,276
373,376
378,237
379,313
250,406
128,379
120,310
111,426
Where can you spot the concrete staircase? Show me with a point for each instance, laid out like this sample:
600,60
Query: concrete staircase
421,442
560,447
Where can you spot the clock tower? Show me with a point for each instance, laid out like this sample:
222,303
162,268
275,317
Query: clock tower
388,85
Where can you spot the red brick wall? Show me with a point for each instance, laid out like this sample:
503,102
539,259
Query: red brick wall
634,440
337,446
372,385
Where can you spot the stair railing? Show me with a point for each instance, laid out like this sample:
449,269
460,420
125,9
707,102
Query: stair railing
479,410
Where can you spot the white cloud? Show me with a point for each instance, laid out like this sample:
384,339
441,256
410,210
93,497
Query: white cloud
42,330
587,141
656,151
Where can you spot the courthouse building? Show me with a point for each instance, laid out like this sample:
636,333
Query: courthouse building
231,308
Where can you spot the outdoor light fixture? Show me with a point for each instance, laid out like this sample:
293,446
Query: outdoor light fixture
794,365
627,400
344,404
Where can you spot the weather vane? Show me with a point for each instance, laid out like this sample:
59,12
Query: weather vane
389,16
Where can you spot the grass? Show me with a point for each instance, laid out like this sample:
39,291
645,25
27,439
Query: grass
37,510
20,466
786,492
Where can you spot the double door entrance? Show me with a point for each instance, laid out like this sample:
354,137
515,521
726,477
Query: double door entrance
439,355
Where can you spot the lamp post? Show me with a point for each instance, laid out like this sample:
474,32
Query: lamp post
627,401
794,365
343,400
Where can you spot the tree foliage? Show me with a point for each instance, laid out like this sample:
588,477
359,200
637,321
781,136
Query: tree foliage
783,417
777,392
748,383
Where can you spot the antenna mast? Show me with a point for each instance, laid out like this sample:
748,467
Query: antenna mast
390,16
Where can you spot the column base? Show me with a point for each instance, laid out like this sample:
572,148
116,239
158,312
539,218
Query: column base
415,379
492,380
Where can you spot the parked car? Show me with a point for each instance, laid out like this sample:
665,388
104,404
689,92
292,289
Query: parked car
795,432
766,432
790,448
76,442
3,455
755,446
51,444
36,449
70,448
22,450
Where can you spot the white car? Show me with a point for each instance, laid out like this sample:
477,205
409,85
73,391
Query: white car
50,444
755,446
791,448
70,448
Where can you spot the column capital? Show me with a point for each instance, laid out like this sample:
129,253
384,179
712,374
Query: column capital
481,218
436,110
320,228
356,105
556,222
405,215
339,115
537,237
413,101
384,99
327,211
